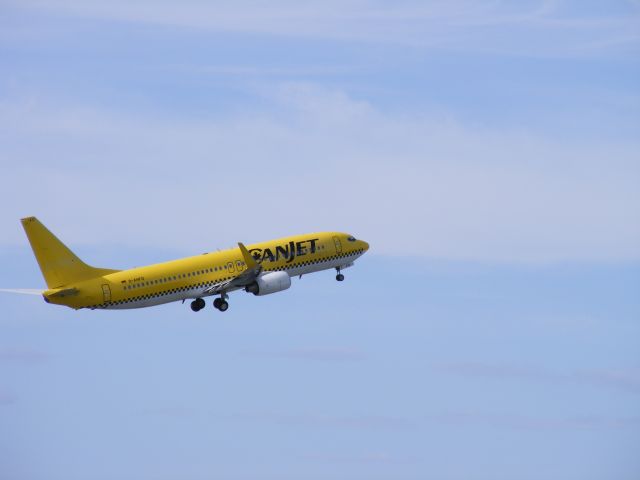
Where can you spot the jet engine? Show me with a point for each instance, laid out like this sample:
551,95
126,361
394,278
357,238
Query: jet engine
269,283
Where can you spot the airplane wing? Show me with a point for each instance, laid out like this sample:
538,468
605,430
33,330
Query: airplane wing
243,279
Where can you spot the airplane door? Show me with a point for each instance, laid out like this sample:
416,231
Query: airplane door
106,293
230,268
239,265
338,245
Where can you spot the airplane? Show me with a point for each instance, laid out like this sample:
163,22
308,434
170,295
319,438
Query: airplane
261,269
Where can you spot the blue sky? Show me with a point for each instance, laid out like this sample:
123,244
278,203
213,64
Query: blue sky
488,151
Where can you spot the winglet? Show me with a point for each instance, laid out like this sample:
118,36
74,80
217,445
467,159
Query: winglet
248,259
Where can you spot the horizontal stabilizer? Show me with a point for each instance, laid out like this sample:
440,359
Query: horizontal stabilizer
66,292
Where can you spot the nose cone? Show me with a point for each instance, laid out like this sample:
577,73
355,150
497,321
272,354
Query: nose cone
365,245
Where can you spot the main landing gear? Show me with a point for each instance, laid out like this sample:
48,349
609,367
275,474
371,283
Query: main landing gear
221,304
197,305
339,276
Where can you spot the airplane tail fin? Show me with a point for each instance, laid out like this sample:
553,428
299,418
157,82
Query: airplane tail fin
59,265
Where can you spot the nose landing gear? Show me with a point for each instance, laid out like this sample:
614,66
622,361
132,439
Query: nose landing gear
339,276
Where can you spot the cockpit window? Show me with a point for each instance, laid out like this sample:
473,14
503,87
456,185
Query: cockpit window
351,239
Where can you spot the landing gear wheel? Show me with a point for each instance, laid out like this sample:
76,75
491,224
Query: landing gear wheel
339,277
221,304
197,305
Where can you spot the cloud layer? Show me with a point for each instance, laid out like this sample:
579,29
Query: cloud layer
318,159
535,27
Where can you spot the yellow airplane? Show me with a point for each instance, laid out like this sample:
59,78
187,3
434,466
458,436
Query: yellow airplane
261,269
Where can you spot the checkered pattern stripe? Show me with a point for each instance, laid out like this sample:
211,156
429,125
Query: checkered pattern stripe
203,285
315,262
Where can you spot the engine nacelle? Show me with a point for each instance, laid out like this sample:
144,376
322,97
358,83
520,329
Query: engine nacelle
270,283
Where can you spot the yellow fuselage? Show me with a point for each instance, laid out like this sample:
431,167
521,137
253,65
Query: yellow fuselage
189,277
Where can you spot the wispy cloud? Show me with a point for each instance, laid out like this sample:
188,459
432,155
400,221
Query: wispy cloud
272,71
523,422
622,379
547,27
177,412
323,354
366,458
475,193
22,355
463,418
313,420
6,398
